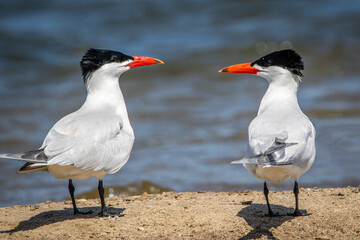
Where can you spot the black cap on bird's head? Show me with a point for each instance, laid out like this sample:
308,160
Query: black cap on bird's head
96,58
287,59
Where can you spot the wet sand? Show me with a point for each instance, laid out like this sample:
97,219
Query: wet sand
335,214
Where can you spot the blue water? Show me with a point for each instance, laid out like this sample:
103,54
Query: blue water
189,120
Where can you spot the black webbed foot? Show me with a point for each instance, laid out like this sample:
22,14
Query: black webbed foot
105,213
297,212
76,211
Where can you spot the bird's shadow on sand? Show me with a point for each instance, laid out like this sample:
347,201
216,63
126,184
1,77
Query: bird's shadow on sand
254,215
54,216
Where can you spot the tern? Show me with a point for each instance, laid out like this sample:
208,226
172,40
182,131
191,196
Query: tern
97,139
281,138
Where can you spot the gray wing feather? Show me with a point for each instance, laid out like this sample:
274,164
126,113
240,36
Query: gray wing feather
277,146
34,156
33,167
263,160
266,158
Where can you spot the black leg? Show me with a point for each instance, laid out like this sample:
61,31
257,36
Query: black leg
103,212
72,190
296,193
266,193
297,211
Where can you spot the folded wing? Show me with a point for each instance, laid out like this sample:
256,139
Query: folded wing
267,158
90,142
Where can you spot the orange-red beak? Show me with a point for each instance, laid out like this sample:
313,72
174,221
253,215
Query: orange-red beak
143,61
240,68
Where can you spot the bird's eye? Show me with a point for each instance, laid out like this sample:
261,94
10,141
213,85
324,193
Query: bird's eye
114,58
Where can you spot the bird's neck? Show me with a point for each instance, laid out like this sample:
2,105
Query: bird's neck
104,94
280,95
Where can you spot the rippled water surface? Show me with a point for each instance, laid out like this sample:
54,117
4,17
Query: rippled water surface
189,120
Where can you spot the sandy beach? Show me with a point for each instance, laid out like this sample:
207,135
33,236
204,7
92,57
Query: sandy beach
335,214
